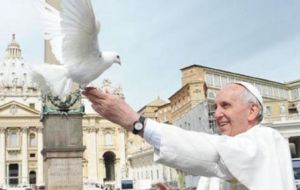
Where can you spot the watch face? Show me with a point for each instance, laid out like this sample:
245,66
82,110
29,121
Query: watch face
138,126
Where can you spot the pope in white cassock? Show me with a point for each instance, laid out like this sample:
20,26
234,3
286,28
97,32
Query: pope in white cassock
247,155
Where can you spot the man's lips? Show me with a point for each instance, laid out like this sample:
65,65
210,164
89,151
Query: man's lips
222,124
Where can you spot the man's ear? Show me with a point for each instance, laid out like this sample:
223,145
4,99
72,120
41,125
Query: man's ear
253,113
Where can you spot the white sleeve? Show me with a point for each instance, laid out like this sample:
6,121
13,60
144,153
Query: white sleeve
186,150
152,133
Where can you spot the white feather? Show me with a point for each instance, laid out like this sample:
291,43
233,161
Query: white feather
57,82
73,35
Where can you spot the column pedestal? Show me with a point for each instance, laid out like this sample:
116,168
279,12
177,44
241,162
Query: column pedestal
63,152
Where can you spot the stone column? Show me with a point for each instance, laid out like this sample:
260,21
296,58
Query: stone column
102,170
24,156
40,170
123,170
92,154
2,157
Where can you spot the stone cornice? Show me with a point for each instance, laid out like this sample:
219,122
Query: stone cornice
91,129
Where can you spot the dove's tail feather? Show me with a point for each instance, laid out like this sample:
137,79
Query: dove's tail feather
52,79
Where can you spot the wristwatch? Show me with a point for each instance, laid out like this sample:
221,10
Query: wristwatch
138,125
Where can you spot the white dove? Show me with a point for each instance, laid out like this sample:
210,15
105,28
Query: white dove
73,37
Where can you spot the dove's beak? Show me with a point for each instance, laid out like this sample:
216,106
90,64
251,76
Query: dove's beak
119,62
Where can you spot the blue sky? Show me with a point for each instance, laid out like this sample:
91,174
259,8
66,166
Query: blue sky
156,38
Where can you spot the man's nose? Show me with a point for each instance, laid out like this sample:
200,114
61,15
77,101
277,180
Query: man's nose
218,113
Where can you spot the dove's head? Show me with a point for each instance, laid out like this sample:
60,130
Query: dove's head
111,57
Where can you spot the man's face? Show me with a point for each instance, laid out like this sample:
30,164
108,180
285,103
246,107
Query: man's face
232,110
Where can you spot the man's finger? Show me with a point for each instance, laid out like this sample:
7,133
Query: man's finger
94,92
95,100
162,186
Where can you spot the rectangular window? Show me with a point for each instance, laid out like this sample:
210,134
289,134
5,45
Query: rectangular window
282,93
217,80
268,110
270,92
32,105
259,87
224,80
265,90
230,80
295,94
276,92
209,79
108,139
13,139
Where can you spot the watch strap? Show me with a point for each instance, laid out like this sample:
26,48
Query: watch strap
142,121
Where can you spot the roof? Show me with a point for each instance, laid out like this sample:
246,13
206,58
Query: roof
232,73
157,102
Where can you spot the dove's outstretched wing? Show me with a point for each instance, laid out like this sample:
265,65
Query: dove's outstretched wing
73,32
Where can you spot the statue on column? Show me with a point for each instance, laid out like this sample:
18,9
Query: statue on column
71,104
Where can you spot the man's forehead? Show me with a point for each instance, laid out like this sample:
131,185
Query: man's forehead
229,91
231,88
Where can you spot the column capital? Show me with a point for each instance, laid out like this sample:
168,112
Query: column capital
2,129
24,129
92,129
121,130
39,129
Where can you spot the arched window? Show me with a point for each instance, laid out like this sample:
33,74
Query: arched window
109,162
32,177
108,139
32,139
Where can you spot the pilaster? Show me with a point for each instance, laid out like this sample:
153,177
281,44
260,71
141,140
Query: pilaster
24,156
92,154
2,157
40,170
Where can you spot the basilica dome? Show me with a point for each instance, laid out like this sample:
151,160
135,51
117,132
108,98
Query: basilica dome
14,72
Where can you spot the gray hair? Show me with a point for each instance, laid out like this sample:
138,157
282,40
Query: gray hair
251,99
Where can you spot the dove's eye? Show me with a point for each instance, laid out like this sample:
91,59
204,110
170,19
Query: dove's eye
118,56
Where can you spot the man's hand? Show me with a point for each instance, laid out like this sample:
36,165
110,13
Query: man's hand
112,108
161,186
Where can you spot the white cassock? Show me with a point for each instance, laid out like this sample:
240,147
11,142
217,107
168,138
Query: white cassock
258,159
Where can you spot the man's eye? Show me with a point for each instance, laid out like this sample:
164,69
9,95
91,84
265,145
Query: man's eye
225,105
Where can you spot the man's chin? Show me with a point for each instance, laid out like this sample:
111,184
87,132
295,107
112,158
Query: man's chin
224,131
